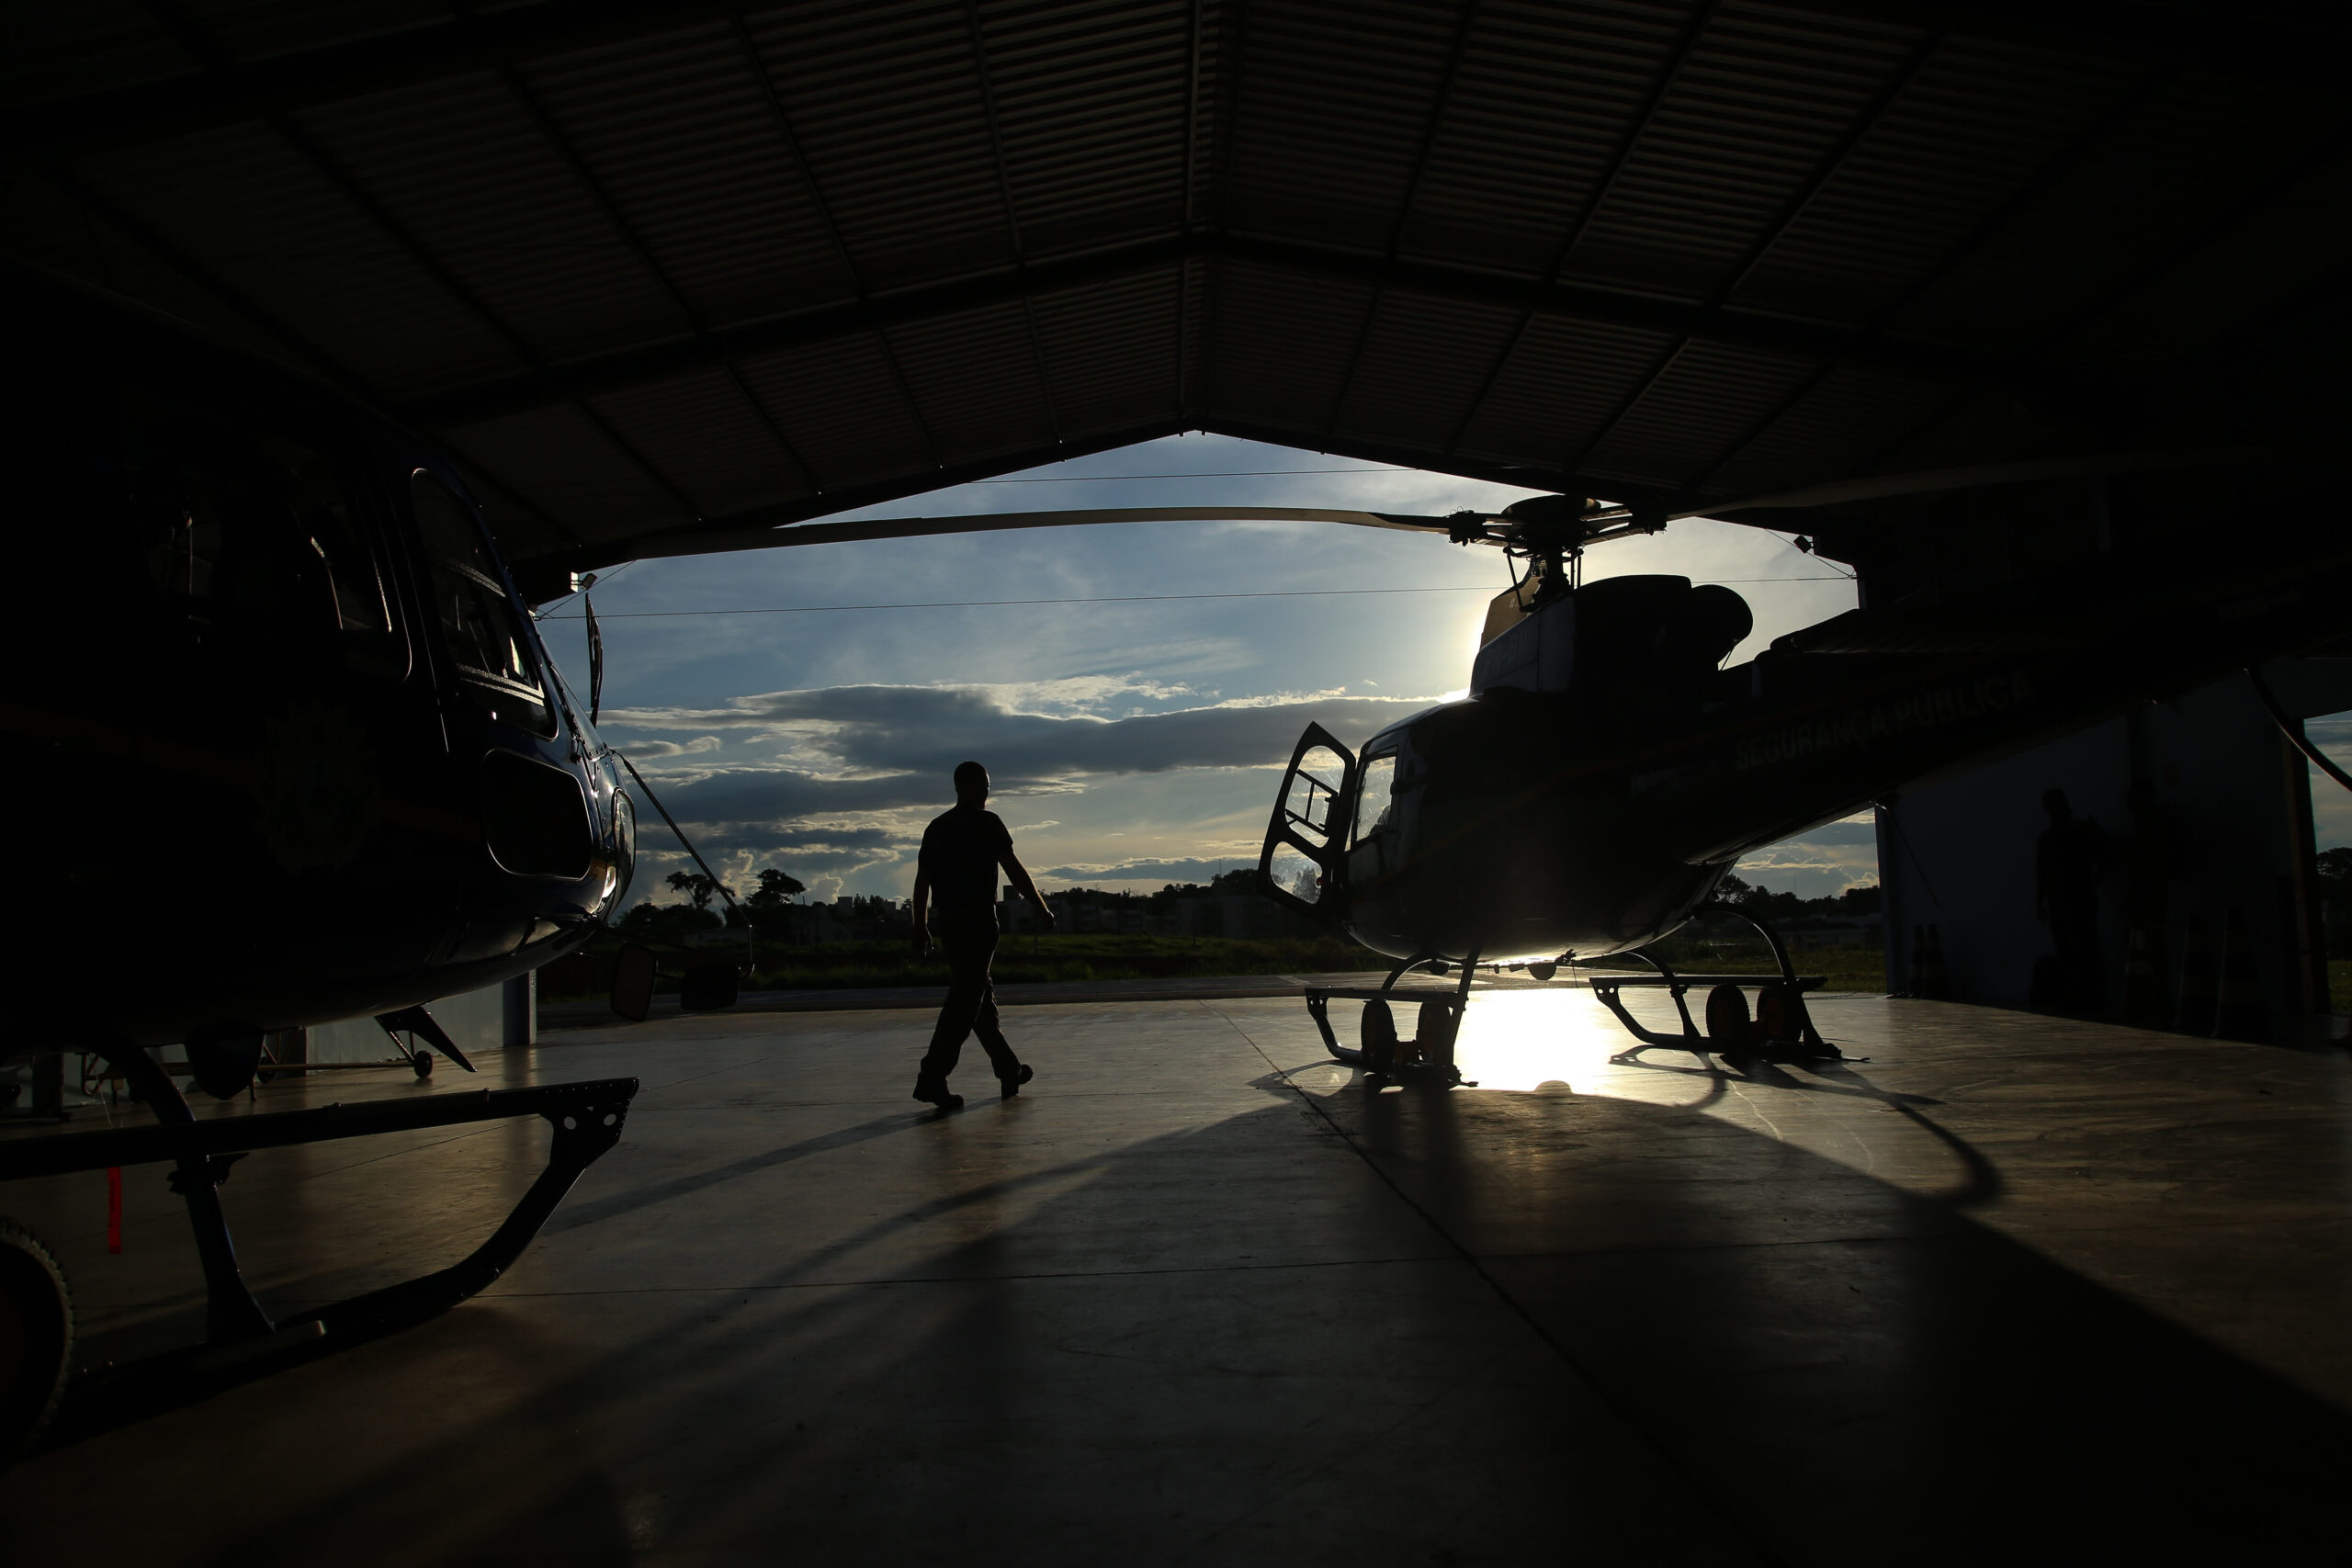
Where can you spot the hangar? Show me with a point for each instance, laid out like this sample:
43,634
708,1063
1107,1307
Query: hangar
669,277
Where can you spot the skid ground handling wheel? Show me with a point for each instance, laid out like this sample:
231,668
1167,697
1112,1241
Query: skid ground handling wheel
1780,1030
1382,1053
36,1338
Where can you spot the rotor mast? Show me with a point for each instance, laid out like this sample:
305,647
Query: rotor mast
1550,533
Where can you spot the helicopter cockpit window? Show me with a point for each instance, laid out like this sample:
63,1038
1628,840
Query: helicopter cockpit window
1311,809
1373,800
325,526
252,539
479,625
1314,793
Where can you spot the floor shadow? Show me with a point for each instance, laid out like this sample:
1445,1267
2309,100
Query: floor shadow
1845,1360
573,1216
1664,1336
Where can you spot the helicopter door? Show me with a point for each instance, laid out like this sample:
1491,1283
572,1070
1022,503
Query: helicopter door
1303,865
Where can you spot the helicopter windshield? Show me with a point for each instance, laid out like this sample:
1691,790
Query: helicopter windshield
477,622
1373,795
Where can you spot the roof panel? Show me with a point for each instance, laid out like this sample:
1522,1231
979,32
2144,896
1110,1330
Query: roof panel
50,52
1694,409
1333,101
2182,165
703,430
681,136
843,408
886,102
1282,343
976,378
246,31
1562,381
1909,244
246,205
1976,126
461,165
1757,108
1093,103
1423,357
1546,94
1835,423
571,469
1111,351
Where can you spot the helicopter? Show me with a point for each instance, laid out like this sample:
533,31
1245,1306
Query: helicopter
1605,770
273,690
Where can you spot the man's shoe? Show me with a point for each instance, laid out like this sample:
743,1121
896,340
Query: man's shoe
1012,1086
934,1091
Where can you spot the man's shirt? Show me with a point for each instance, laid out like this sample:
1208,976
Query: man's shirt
960,851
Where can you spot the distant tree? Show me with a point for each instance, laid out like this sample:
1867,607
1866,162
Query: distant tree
695,886
649,921
1862,898
2335,900
777,888
1763,904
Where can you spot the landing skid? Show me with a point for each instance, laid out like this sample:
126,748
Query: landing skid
1384,1057
1782,1029
586,1117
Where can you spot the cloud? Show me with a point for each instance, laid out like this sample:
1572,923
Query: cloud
868,749
1839,833
840,848
1150,870
660,750
1823,861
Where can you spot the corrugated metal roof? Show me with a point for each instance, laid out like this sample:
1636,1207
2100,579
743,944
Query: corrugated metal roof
645,263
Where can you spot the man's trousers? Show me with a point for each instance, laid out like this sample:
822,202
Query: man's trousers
970,937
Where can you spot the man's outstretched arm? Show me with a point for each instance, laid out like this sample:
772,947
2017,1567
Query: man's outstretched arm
1018,874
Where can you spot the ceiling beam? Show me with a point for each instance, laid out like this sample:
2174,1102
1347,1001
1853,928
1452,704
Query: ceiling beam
632,367
2298,47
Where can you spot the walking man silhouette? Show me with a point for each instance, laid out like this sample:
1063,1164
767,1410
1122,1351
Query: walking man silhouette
956,867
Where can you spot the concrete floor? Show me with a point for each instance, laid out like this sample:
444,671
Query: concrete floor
2013,1289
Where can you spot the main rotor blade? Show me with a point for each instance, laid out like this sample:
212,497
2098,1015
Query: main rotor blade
717,540
1923,481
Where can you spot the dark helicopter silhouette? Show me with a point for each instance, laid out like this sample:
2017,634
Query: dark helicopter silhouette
274,705
1605,771
270,692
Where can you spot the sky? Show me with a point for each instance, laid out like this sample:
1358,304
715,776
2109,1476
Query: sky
1136,721
2331,803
